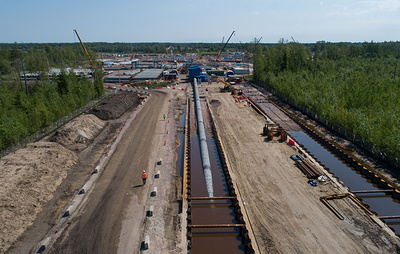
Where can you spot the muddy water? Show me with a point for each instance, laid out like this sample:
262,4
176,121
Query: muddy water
181,147
180,151
382,204
208,240
182,120
211,240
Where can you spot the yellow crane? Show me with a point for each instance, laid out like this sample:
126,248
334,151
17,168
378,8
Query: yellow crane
84,49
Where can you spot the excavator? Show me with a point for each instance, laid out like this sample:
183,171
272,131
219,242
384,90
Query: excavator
228,87
84,49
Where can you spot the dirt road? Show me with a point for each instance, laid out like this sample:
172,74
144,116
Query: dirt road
285,212
98,228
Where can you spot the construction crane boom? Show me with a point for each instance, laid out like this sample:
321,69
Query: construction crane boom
84,49
220,52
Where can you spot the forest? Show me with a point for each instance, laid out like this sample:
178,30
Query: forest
28,108
353,88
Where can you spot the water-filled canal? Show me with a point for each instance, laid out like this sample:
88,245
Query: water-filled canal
211,240
383,205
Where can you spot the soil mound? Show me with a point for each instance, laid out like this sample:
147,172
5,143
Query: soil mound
28,179
76,134
115,106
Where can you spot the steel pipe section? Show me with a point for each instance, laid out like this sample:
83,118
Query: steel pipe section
205,157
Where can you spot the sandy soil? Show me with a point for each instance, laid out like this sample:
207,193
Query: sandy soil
284,210
40,180
28,179
114,218
76,134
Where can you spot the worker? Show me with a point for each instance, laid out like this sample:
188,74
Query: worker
144,177
164,116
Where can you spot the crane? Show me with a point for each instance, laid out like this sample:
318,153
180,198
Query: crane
224,46
84,49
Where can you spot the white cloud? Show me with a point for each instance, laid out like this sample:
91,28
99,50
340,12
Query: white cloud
382,5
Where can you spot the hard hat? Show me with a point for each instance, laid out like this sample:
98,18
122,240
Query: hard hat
144,171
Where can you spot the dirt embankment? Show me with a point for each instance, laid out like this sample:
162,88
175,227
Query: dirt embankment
28,179
115,106
35,182
76,134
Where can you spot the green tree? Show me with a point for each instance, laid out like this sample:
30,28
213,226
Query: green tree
98,83
63,83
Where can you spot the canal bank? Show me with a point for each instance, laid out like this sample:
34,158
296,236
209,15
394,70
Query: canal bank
285,211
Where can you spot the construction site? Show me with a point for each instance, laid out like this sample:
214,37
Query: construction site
230,168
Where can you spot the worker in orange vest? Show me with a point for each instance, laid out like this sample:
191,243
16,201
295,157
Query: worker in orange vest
144,177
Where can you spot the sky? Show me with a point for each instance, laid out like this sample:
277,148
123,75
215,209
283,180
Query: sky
45,21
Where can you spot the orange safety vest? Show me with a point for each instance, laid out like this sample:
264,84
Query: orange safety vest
144,175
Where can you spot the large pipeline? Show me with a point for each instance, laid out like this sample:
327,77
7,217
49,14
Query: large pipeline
205,158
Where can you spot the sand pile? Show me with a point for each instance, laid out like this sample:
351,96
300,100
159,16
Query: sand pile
28,179
76,134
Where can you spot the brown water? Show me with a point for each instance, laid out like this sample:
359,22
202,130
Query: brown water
383,205
180,151
181,147
211,240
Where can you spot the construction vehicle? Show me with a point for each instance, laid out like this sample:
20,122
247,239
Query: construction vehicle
84,49
227,87
220,52
271,129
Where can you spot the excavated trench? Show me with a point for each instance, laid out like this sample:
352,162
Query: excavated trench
215,224
346,169
383,204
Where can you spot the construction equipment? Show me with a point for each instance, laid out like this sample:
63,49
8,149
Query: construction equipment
227,88
272,129
239,92
220,52
84,49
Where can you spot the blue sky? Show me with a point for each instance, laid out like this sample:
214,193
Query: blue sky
199,21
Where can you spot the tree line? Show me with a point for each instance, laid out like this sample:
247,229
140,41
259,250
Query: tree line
28,108
126,48
353,86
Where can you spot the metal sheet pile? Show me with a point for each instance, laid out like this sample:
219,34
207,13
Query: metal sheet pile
272,111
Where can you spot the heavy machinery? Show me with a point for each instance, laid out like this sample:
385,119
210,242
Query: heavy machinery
272,129
84,49
227,87
220,52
